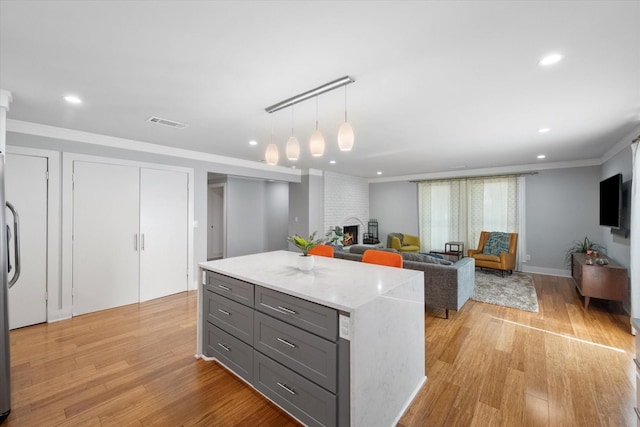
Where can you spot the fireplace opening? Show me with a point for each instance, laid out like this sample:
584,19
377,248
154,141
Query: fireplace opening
350,235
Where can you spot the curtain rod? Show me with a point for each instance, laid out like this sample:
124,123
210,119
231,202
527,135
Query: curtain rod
460,178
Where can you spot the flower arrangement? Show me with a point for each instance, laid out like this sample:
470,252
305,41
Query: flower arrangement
305,245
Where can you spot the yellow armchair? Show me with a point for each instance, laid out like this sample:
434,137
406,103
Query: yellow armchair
505,261
404,242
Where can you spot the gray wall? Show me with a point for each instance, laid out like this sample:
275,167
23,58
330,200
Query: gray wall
276,223
562,205
306,206
245,216
395,206
618,247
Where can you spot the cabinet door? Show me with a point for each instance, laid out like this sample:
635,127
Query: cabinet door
163,228
26,183
105,236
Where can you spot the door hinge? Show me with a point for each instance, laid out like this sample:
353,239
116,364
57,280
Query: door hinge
46,296
47,175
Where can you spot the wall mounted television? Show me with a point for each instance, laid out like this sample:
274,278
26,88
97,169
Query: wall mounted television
615,204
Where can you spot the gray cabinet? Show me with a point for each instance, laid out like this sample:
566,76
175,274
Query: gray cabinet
285,347
300,397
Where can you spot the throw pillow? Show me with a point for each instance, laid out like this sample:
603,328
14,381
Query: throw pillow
497,243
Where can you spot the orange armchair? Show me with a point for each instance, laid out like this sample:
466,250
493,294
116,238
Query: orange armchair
322,250
504,261
391,259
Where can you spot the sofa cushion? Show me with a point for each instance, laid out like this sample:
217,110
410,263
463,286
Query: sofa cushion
409,256
497,243
359,249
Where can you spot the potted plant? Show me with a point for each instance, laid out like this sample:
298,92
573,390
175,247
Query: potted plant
335,236
305,262
585,246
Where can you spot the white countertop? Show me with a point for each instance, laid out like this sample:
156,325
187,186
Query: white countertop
341,284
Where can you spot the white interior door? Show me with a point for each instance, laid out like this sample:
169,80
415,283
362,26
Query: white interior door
26,189
105,236
215,222
163,227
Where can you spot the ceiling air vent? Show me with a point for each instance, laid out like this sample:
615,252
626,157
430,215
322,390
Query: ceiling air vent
170,123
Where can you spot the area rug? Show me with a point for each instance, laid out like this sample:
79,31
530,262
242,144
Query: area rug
513,290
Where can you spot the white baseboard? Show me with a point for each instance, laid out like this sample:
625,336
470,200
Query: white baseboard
546,271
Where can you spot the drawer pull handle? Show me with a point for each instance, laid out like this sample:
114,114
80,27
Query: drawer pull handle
224,288
289,389
286,310
225,347
226,313
292,345
637,363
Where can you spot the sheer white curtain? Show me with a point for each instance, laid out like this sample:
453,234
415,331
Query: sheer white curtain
493,206
635,231
458,210
439,216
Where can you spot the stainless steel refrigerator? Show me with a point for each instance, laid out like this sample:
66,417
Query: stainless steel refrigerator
9,271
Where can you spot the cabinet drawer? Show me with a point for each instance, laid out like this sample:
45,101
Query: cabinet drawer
311,404
233,353
307,354
234,289
230,316
312,317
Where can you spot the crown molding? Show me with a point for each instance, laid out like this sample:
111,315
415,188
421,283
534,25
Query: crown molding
620,145
47,131
504,170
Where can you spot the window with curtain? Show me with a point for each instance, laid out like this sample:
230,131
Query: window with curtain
458,210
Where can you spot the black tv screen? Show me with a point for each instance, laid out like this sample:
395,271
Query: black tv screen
611,201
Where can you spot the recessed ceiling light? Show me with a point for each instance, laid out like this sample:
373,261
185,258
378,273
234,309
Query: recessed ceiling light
542,156
72,99
253,142
551,59
544,130
379,172
333,162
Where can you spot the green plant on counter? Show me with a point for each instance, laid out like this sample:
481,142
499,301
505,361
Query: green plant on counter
305,245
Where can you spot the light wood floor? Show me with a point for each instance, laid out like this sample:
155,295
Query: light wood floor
486,365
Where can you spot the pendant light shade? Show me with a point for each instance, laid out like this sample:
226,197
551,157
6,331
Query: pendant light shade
293,148
316,143
345,133
271,155
345,137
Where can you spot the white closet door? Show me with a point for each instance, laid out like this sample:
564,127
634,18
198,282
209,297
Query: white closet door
163,227
105,236
26,186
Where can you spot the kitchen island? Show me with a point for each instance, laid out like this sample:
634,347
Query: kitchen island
342,344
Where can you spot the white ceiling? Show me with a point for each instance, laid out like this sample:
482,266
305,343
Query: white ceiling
440,85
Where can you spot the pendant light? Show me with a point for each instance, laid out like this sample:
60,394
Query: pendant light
271,155
293,146
316,142
345,133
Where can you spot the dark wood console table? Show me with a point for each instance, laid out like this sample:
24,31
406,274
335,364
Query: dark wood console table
608,281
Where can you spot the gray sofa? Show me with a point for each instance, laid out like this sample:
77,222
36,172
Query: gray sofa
446,285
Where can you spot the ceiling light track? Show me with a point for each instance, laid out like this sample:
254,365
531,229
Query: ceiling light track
310,94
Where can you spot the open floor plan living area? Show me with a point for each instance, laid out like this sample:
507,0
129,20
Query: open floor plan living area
320,213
